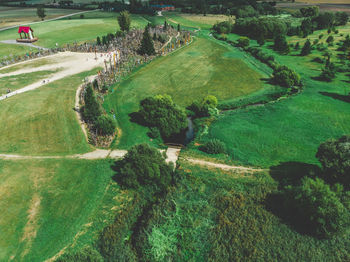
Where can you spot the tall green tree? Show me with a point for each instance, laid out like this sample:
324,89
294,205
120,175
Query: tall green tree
144,166
124,21
317,207
40,11
161,112
306,50
147,45
281,44
91,110
334,156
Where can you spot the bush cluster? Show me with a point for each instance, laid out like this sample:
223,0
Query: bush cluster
213,146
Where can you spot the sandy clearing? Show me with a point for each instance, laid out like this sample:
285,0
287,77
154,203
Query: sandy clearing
223,166
77,63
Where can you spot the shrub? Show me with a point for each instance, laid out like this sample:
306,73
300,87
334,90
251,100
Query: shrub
213,146
286,77
204,108
147,46
328,73
144,166
317,207
330,39
243,42
153,133
105,125
334,156
280,44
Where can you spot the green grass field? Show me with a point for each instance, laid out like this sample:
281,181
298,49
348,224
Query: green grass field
22,80
43,121
9,50
205,67
11,16
47,205
68,31
290,130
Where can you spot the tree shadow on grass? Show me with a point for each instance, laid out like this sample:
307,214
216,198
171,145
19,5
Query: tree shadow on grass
137,118
289,173
336,96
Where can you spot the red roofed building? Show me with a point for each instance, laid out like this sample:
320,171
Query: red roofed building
28,34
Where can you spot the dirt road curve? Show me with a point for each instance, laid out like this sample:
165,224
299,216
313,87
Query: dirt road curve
67,64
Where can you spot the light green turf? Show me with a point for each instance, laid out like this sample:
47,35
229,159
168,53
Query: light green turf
47,204
205,67
68,31
9,50
22,80
290,130
43,121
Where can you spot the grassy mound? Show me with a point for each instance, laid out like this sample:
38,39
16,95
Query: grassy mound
203,68
43,121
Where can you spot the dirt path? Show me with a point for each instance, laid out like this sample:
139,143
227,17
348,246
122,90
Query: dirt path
70,63
14,42
223,166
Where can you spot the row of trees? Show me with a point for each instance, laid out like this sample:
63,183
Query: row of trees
92,114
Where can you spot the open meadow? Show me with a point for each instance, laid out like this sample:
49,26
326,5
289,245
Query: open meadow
203,68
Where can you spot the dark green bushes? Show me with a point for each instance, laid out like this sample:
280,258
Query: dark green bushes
91,110
334,156
86,254
144,166
213,146
286,77
105,125
161,112
147,45
317,207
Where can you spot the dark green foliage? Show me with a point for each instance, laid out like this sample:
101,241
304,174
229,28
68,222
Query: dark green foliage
154,37
328,72
124,21
204,108
297,46
178,27
105,125
330,39
161,112
324,20
86,254
243,42
286,77
91,110
318,207
224,27
281,44
114,242
98,40
334,156
309,11
213,146
165,25
144,166
341,18
306,50
40,11
147,46
261,27
153,133
306,27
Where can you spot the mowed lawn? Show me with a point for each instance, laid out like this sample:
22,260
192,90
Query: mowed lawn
200,69
290,130
7,51
46,205
18,81
75,30
43,121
